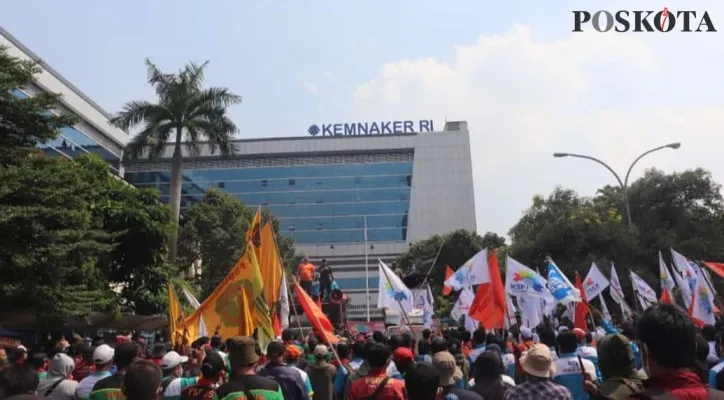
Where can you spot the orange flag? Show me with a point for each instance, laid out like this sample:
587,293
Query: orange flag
316,317
446,290
489,303
665,297
582,309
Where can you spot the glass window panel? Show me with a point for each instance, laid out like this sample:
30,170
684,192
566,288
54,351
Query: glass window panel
358,283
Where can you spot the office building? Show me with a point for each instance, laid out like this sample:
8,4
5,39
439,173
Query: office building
92,134
352,199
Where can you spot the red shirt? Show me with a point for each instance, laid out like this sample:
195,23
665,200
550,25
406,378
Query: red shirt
364,387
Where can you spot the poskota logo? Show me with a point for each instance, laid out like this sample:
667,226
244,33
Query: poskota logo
643,21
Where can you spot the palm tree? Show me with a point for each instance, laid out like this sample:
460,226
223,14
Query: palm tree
185,114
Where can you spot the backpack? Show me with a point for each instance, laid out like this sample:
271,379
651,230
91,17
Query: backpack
660,394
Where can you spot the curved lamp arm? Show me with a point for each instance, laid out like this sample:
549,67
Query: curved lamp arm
668,146
594,159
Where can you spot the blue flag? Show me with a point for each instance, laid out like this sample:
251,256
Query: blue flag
560,287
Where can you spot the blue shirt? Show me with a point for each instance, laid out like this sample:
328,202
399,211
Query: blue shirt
340,380
569,374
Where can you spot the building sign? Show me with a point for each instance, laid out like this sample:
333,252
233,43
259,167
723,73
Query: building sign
9,342
371,128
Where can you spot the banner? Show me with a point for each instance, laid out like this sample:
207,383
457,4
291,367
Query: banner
521,280
474,272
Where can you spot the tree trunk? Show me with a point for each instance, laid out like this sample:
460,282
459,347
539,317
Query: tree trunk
175,196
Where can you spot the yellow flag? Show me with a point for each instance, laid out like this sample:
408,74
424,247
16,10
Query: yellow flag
246,321
174,313
253,234
270,265
262,316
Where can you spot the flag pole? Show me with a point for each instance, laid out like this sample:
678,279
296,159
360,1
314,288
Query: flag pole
284,276
336,356
367,269
434,261
399,303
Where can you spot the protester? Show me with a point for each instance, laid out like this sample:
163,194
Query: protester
212,372
537,364
109,388
322,374
669,336
290,380
490,380
570,368
709,333
84,366
19,382
617,365
403,359
353,368
325,280
244,382
305,275
173,383
102,359
376,383
59,384
450,375
39,361
292,354
142,381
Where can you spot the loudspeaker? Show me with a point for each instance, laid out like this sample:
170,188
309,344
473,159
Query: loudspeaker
333,311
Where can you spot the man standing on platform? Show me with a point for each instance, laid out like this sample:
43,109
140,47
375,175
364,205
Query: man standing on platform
325,279
305,275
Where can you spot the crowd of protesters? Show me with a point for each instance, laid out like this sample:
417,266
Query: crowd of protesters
662,356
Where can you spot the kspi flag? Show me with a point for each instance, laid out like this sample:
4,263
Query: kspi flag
561,288
393,293
474,272
521,280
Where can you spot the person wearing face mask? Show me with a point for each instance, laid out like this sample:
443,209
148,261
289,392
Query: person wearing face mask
173,382
669,356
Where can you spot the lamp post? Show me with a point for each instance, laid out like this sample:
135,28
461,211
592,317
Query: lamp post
623,184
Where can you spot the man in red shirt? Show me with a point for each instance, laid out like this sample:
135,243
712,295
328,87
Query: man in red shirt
376,384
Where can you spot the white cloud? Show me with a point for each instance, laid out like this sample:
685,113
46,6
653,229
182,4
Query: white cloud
606,95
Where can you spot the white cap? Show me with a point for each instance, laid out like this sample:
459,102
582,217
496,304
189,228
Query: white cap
172,359
103,354
23,348
562,328
525,332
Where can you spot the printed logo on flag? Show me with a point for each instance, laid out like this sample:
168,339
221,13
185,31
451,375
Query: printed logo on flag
704,303
557,285
592,286
398,295
523,280
464,274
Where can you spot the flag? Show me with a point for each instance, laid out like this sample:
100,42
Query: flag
393,293
665,297
682,264
594,283
509,313
246,320
316,317
259,305
462,305
521,280
530,310
560,287
645,295
582,309
667,281
708,279
270,264
684,288
604,309
488,306
174,315
446,290
190,298
283,313
617,294
474,272
253,234
715,267
424,301
702,306
221,309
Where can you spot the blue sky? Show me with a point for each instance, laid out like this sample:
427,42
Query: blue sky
525,83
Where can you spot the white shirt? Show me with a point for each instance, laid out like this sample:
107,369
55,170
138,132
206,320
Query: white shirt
508,381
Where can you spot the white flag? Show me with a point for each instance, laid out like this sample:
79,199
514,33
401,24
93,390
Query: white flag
202,327
530,310
684,288
393,293
521,280
190,298
595,282
667,281
604,309
284,303
509,313
617,294
703,307
474,272
644,293
708,279
423,301
685,269
462,306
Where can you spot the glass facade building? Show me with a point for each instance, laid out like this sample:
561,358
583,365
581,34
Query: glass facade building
323,199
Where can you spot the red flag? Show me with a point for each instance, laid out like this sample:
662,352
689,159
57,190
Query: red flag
316,317
665,297
446,290
582,309
276,324
489,303
715,267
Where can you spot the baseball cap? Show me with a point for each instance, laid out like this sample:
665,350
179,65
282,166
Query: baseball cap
103,354
172,359
402,354
580,333
293,352
321,351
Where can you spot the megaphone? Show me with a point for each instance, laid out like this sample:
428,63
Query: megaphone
336,296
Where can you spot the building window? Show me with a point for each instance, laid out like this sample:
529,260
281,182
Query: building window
291,228
320,227
357,180
264,203
222,185
264,183
292,182
409,180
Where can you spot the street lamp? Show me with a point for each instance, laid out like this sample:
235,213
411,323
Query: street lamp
623,184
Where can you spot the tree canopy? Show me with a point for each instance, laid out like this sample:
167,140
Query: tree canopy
70,231
213,234
185,114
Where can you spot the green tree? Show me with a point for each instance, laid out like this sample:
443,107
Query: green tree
185,114
213,234
457,247
25,120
